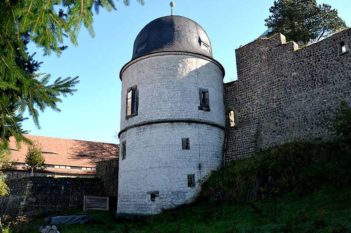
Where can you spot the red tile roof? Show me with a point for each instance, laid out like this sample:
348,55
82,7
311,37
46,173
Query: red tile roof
68,152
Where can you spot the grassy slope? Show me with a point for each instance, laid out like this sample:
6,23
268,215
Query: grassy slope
328,210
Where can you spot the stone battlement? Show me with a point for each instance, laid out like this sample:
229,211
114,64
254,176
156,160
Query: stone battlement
285,93
279,39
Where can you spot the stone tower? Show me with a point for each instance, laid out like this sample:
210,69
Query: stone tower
172,117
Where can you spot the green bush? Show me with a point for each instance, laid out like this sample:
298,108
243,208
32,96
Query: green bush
4,158
5,230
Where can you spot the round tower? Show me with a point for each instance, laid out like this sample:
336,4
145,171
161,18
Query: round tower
172,117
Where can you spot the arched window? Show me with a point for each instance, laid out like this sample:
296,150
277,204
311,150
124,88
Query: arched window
232,119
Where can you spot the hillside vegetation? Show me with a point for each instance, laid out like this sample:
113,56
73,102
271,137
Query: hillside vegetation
299,167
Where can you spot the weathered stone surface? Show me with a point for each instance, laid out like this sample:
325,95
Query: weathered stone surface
107,171
168,87
155,162
39,195
286,94
48,229
158,163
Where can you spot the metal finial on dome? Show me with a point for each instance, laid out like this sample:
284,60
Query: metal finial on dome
172,5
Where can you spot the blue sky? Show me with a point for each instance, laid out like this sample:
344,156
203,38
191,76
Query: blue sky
93,112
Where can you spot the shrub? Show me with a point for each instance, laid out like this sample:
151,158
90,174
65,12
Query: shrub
6,230
4,158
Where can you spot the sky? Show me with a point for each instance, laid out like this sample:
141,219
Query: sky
93,112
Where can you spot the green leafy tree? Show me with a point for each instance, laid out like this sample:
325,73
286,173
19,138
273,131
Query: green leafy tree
34,158
303,20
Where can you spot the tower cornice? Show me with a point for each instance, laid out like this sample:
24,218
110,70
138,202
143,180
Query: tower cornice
170,121
175,53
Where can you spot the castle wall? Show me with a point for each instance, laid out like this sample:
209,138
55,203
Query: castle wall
107,171
285,94
32,196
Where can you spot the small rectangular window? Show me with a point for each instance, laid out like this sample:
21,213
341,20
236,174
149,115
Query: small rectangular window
132,102
185,143
204,100
191,180
153,195
124,150
232,122
343,47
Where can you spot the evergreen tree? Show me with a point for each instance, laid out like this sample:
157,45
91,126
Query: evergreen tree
34,158
328,21
303,20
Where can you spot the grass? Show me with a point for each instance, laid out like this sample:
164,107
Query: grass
299,167
325,211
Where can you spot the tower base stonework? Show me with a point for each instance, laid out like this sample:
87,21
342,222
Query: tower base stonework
160,166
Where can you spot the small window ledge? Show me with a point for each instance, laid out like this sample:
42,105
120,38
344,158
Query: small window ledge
205,109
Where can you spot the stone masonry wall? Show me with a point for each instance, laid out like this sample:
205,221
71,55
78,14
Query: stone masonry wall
155,173
39,195
155,161
107,171
286,94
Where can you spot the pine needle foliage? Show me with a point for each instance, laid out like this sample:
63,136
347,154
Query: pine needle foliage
303,21
47,23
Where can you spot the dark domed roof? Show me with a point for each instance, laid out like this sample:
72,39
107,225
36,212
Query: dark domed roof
172,33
